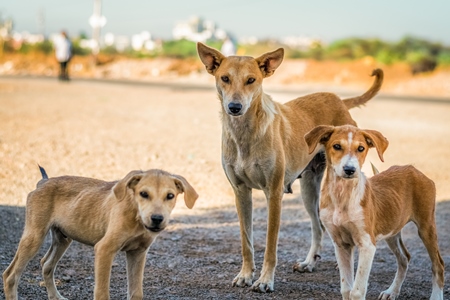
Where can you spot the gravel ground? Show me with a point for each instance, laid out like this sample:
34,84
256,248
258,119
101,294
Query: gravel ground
104,130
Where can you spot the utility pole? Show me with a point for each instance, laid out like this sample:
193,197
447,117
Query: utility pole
41,22
5,32
97,21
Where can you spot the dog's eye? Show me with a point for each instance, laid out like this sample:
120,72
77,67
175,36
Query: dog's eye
225,79
250,80
144,195
170,196
337,147
360,148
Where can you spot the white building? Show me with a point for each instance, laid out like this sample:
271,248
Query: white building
299,42
120,42
142,41
26,37
198,30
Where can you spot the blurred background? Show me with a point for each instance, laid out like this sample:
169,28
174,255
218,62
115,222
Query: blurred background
326,42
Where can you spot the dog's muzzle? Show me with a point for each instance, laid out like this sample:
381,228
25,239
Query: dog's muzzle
349,171
235,108
156,223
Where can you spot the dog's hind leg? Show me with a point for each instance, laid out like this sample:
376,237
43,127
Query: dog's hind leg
29,245
403,257
60,243
244,208
428,234
310,190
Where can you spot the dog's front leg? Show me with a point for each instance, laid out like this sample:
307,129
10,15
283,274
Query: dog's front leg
135,270
345,260
265,283
104,256
366,254
244,208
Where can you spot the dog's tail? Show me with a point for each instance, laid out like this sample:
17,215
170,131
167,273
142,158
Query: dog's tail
44,176
361,100
374,169
43,173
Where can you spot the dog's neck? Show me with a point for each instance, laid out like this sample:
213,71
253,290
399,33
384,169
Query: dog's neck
342,192
252,126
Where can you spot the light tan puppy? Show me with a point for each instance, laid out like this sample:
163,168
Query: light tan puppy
125,215
263,148
357,211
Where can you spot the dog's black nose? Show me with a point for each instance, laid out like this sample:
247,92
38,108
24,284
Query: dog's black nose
234,108
349,170
157,219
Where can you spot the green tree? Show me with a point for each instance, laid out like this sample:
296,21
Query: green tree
444,57
179,49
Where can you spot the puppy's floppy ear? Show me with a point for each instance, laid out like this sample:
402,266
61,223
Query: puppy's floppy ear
128,182
270,61
377,140
190,195
210,57
321,134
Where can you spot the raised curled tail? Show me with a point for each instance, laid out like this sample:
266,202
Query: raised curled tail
361,100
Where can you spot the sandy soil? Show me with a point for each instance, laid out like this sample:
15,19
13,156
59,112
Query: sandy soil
104,130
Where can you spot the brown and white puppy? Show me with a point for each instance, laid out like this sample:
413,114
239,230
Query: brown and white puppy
357,211
125,215
263,148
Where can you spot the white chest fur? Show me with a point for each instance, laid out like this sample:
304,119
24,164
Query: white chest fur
343,217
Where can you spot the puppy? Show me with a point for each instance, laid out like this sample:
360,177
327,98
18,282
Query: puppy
357,211
263,148
125,215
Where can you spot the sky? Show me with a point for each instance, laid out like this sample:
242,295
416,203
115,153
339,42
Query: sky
328,20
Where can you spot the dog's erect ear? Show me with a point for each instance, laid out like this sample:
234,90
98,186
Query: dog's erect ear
319,135
377,140
210,57
270,61
190,195
128,182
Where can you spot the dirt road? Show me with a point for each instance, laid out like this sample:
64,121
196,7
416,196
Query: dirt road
105,130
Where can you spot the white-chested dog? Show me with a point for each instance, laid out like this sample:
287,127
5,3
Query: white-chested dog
358,212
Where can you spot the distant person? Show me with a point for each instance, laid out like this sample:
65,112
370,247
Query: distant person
228,47
63,52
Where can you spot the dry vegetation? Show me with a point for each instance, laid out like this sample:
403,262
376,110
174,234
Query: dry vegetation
292,73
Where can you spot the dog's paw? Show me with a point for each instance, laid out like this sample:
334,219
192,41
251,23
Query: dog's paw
243,280
387,295
263,287
307,265
57,297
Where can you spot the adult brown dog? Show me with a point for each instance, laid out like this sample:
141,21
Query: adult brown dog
125,215
263,148
359,211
